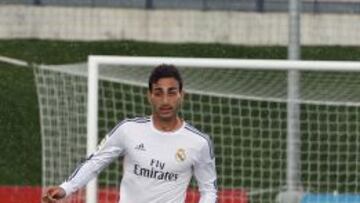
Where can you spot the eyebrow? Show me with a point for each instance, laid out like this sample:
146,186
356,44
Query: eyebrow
173,88
169,89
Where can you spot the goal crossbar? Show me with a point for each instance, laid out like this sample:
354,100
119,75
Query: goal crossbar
261,64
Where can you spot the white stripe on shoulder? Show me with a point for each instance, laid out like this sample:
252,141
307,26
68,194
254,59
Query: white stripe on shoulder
127,120
139,119
192,129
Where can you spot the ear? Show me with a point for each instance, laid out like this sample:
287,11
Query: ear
182,95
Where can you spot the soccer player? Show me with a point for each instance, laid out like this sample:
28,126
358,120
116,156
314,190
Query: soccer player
161,152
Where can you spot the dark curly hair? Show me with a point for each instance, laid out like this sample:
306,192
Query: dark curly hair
165,71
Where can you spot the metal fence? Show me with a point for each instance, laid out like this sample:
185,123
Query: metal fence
310,6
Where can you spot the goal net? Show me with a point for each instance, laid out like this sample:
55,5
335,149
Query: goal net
241,104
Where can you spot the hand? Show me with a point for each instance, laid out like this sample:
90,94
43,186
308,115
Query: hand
53,194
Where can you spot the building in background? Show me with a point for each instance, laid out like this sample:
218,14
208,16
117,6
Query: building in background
309,6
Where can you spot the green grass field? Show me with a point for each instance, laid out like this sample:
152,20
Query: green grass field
19,120
19,127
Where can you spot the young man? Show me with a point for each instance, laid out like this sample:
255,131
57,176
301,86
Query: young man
161,153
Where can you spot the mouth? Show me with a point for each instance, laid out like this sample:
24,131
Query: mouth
165,109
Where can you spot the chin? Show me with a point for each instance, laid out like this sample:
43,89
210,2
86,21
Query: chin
166,117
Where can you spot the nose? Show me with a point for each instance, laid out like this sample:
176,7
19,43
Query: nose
165,99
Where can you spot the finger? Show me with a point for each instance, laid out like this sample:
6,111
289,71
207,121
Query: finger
48,198
52,196
45,199
56,194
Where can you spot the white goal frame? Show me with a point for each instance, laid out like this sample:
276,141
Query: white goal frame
287,65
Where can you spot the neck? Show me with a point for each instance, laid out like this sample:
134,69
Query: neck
167,125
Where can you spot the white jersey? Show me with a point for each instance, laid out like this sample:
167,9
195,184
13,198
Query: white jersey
157,165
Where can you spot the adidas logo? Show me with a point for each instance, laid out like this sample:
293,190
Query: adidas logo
140,147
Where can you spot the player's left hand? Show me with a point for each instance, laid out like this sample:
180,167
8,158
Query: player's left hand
53,194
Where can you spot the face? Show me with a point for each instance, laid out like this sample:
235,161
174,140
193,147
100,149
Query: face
165,98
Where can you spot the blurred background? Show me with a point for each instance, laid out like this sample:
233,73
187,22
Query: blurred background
67,31
237,22
312,6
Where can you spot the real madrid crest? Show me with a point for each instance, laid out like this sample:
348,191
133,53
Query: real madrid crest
180,155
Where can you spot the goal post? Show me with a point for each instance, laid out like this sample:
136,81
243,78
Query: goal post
241,104
92,124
